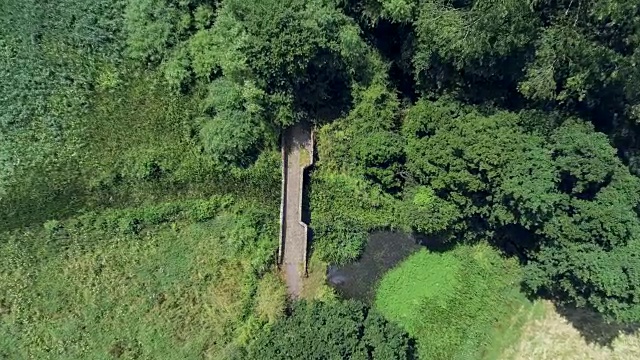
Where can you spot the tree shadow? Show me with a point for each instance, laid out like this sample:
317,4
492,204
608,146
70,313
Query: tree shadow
326,93
37,201
306,199
384,250
434,243
593,327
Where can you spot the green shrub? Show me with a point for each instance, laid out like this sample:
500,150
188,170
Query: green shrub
332,330
338,244
345,209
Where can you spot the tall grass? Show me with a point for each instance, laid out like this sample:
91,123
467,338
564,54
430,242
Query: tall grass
137,144
456,304
182,285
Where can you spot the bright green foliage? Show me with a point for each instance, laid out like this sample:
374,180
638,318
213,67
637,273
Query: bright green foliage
332,330
237,131
470,289
232,137
153,282
286,38
271,297
422,276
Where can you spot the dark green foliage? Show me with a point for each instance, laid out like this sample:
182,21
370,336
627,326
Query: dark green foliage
483,40
54,54
574,56
567,191
592,244
334,330
364,142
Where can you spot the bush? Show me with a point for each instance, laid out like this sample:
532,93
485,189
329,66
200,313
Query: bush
344,210
333,330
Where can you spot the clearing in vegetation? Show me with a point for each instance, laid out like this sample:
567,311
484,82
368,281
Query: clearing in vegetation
573,334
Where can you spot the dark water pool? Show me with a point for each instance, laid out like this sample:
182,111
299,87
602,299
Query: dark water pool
384,250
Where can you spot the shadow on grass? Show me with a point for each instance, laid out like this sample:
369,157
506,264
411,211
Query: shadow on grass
593,327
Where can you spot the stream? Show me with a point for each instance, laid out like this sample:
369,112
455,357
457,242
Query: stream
384,250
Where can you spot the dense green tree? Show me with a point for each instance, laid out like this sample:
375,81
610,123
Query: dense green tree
589,249
564,200
335,330
281,61
471,44
365,141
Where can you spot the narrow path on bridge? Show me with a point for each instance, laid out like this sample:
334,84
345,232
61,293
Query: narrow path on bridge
297,155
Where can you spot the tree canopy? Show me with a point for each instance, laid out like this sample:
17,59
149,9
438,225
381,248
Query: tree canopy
335,330
564,199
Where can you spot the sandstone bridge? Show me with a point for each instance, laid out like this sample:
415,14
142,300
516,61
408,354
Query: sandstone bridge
297,155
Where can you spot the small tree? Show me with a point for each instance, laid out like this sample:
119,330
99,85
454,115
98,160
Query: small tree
334,330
